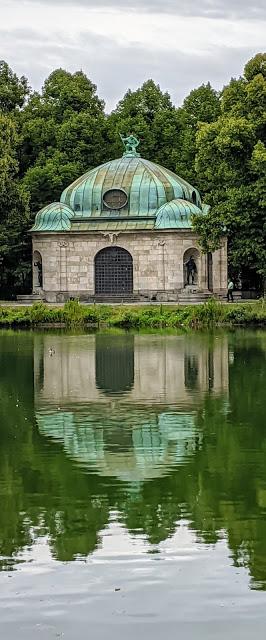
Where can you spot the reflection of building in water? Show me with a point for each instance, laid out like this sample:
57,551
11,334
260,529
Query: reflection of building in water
126,405
144,369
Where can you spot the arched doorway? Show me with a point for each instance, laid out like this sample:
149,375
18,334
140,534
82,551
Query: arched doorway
113,272
37,271
191,267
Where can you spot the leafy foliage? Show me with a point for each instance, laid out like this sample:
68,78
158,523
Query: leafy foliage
13,90
150,114
74,314
231,169
14,212
202,105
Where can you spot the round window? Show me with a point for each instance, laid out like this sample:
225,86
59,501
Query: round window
115,199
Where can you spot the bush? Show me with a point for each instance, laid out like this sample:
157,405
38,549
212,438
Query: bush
211,312
195,316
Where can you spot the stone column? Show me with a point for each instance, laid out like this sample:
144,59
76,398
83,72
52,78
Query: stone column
224,265
203,272
63,279
220,268
161,244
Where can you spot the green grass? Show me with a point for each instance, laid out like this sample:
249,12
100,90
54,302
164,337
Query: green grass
74,314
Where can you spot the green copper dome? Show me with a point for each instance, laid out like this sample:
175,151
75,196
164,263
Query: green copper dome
127,194
176,214
127,187
53,217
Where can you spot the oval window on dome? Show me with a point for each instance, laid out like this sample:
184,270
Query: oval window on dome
115,199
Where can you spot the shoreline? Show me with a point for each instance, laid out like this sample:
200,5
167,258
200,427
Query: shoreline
75,314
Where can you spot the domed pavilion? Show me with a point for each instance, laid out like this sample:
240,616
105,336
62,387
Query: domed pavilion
124,231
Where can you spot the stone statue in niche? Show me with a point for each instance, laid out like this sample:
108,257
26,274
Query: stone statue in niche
38,264
191,271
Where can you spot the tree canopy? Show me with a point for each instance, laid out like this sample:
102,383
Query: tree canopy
231,169
14,212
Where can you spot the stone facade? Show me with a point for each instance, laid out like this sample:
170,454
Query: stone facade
125,230
68,263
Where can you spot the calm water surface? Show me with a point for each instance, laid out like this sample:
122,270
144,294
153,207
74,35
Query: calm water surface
132,486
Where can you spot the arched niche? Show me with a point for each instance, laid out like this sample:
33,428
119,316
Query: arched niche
191,265
37,271
113,269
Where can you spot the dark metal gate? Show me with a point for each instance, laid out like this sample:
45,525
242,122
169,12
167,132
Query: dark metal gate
113,272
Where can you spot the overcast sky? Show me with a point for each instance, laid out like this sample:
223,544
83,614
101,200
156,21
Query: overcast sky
121,43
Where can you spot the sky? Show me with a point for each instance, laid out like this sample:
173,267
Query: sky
119,44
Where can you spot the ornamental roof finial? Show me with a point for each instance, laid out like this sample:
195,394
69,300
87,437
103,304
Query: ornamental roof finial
130,143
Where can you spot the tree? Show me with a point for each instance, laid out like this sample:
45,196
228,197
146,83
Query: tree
230,166
63,135
151,116
46,181
201,105
13,90
14,212
67,93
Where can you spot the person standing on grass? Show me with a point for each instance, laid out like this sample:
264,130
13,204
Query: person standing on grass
230,288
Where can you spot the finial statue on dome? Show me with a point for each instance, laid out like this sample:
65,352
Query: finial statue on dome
130,143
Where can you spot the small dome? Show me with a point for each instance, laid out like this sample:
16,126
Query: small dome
53,217
176,215
128,186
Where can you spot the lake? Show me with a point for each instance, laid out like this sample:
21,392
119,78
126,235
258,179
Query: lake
133,485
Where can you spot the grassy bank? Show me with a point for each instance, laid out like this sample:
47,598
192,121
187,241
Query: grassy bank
75,314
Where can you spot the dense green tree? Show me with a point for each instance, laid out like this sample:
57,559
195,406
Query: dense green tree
150,115
13,90
14,200
230,165
63,131
45,182
14,212
69,93
201,105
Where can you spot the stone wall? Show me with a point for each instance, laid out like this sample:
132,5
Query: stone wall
68,263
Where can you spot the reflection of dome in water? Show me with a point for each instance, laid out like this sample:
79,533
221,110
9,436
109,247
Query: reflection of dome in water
154,443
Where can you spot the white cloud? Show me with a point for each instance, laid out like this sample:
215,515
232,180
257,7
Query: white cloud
121,48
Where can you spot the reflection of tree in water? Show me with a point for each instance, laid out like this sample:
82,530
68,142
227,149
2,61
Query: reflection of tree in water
220,487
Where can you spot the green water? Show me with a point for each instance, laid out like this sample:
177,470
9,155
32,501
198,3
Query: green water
132,485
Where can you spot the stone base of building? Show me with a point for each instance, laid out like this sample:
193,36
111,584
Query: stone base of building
181,296
151,266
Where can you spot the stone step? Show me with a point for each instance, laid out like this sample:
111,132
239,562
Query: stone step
28,298
113,299
195,296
